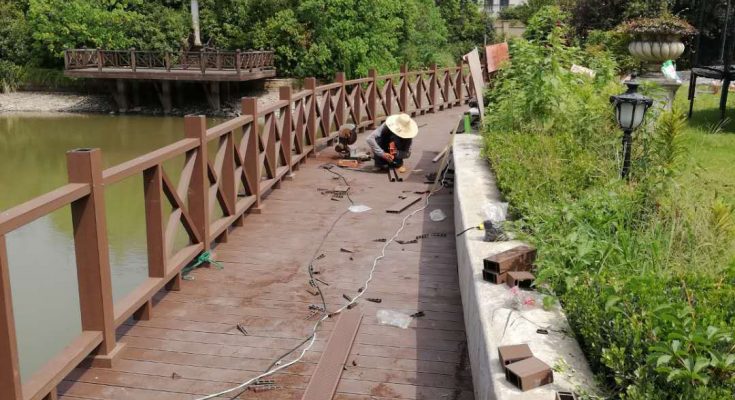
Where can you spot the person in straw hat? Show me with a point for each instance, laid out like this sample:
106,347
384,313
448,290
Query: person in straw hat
391,142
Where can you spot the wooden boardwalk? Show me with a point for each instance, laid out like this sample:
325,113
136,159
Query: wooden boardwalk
191,346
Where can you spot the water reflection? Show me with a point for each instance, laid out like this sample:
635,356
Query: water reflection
42,265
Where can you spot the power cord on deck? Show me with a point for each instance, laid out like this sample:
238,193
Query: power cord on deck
328,167
311,339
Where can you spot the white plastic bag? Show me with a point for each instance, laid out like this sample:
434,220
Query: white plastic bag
668,68
495,213
437,215
394,318
359,208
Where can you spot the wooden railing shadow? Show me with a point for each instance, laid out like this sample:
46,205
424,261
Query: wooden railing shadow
254,153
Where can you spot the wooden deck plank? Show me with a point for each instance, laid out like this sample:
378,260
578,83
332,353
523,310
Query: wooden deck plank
193,332
328,371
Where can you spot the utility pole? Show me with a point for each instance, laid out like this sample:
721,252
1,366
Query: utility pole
195,22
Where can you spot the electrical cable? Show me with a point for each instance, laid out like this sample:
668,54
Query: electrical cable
328,167
466,230
311,339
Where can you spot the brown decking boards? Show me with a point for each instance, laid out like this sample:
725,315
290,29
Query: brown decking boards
193,333
328,371
193,74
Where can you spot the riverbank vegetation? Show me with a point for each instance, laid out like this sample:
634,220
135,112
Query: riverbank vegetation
310,37
645,270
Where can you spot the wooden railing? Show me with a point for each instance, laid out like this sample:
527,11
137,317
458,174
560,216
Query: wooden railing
255,152
236,61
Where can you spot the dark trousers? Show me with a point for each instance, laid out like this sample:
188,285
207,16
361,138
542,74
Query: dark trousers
382,163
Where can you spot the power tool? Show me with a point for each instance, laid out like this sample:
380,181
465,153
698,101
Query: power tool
346,137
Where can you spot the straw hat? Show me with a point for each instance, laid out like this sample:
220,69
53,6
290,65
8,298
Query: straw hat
402,125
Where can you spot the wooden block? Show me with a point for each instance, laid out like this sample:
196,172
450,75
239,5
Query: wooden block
323,383
523,279
519,258
513,353
529,373
492,277
403,204
348,163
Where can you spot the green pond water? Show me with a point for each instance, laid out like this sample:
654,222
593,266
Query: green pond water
42,263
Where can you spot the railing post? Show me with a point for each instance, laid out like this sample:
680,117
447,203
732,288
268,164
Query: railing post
447,87
155,237
357,104
341,103
218,62
403,90
238,60
92,253
373,97
100,60
132,58
253,166
459,84
286,93
388,97
196,128
10,386
419,93
202,61
432,88
167,60
311,118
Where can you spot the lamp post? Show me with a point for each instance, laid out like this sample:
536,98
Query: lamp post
630,109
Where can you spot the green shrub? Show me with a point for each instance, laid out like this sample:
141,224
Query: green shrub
10,76
644,270
544,21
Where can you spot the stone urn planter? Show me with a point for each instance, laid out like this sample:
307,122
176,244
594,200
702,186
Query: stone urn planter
655,50
656,40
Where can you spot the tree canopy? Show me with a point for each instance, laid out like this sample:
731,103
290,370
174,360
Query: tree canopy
310,37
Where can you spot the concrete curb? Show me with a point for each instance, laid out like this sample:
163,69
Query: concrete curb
489,321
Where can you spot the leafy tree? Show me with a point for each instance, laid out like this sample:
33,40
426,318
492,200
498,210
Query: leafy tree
290,40
468,25
425,35
61,24
359,35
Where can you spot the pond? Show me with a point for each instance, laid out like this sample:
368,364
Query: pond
42,263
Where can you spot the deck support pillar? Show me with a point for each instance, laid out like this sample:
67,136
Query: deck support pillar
211,90
120,95
136,93
179,91
164,95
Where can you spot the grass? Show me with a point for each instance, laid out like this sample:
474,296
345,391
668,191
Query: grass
711,144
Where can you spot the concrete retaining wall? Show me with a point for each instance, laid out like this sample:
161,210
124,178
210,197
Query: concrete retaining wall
490,321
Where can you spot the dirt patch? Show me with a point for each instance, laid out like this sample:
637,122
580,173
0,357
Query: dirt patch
54,102
383,390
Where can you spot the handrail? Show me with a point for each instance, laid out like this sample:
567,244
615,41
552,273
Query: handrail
141,163
244,168
183,60
36,208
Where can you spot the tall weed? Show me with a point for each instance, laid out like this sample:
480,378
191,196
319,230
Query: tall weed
644,269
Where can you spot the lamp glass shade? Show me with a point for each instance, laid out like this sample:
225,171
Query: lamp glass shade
630,115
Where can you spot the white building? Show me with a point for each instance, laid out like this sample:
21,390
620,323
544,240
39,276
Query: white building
494,6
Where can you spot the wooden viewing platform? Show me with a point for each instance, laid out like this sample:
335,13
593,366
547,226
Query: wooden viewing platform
211,68
233,66
176,339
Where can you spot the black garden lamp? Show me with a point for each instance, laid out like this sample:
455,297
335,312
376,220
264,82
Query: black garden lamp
630,109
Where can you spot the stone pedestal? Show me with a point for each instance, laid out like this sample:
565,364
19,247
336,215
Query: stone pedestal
668,86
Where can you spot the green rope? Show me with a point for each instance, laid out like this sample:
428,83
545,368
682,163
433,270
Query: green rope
203,258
